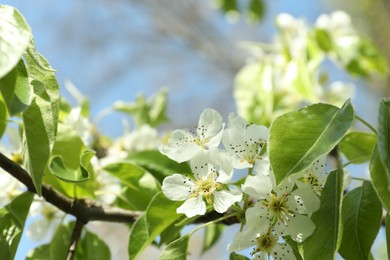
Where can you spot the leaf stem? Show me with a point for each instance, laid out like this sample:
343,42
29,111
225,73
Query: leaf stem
213,222
364,122
359,179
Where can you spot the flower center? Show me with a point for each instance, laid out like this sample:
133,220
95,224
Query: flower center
265,243
314,182
206,187
278,206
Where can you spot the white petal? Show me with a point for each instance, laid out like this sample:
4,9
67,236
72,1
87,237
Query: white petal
225,168
38,229
283,251
177,187
263,166
224,199
300,227
285,187
201,165
210,123
243,240
259,217
192,207
215,140
303,201
181,146
256,133
257,186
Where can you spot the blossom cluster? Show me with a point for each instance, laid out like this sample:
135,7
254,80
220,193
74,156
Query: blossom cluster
272,212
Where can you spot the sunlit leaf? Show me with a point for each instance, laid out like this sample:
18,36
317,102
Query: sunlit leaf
159,215
234,256
91,247
361,217
298,138
12,220
323,39
379,179
358,146
384,135
176,250
15,34
60,242
16,89
327,220
256,10
3,116
141,185
39,253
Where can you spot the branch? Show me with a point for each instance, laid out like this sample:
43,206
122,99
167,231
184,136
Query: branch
83,210
76,233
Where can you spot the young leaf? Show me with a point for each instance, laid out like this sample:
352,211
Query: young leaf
12,219
38,135
141,185
361,217
3,117
234,256
212,234
15,35
16,89
158,164
358,146
159,215
379,179
384,135
176,250
298,138
91,247
327,220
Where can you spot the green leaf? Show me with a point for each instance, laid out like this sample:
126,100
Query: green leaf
327,220
212,234
159,215
234,256
15,35
39,253
172,232
379,179
49,81
323,39
12,219
16,89
141,185
256,10
298,138
388,233
4,249
384,135
3,117
39,134
91,247
60,242
361,217
177,250
158,164
295,248
358,146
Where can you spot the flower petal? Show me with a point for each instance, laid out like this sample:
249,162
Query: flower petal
283,251
257,186
258,217
303,201
177,187
256,133
224,199
201,165
192,207
300,227
181,146
210,124
243,240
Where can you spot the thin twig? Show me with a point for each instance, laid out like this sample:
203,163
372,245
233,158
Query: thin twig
76,233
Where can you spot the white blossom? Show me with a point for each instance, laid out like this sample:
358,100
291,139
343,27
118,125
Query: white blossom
183,145
80,124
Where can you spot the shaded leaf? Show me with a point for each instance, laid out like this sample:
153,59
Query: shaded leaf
256,10
60,242
212,234
39,253
234,256
358,146
159,215
327,220
3,117
177,250
298,138
379,179
91,247
384,135
16,89
361,217
15,34
12,220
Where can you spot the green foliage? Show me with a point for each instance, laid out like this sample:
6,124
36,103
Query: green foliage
39,253
327,220
379,179
91,247
361,218
234,256
384,135
3,117
177,250
358,146
212,234
298,138
254,10
159,215
12,219
15,35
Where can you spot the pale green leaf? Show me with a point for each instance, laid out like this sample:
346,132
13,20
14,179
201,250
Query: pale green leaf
16,89
326,237
212,234
60,242
234,256
12,220
159,215
15,34
361,217
3,116
141,186
379,179
39,253
298,138
177,250
384,135
91,247
358,146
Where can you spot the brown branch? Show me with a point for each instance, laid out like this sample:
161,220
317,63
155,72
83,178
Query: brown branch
76,233
83,210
